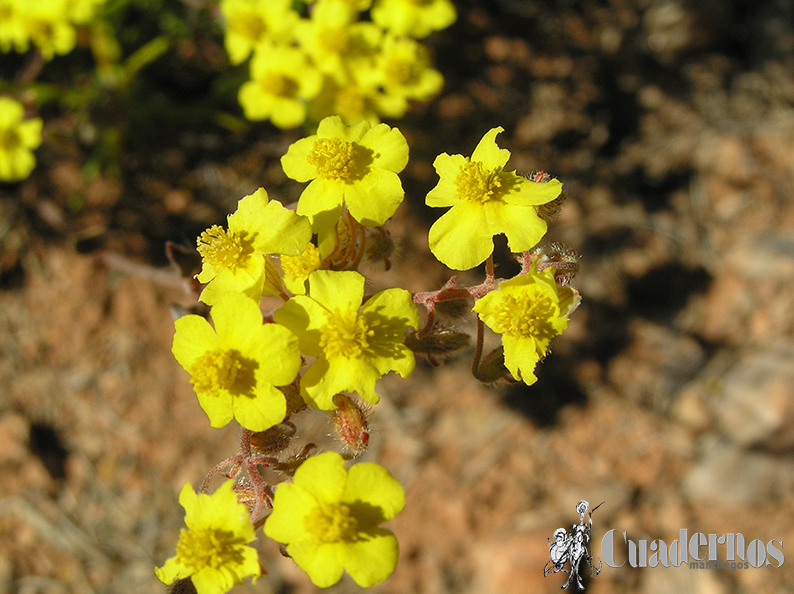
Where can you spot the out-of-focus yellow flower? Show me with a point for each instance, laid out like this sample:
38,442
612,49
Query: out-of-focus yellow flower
18,139
354,102
81,12
234,260
13,34
213,551
328,517
353,348
528,311
236,367
282,80
357,166
403,69
47,24
337,45
252,23
485,201
414,18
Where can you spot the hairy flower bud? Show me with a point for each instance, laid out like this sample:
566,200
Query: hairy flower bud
274,440
351,425
563,259
440,342
492,367
549,211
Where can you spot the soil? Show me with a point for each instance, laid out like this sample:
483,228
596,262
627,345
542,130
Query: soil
670,397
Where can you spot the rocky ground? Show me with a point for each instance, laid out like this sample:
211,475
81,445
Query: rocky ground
670,398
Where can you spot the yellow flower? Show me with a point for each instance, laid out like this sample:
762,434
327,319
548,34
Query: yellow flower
328,518
235,261
82,12
298,268
47,24
213,551
282,80
528,311
18,139
337,45
414,18
357,166
354,101
235,367
485,201
353,348
13,35
251,23
403,69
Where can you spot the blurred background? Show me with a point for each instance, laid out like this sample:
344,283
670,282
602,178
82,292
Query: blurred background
670,398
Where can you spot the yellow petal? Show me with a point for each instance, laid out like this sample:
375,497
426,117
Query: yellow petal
372,559
489,154
373,485
291,505
460,238
323,476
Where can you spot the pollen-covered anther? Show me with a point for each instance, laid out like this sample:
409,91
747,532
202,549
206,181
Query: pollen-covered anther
332,522
351,425
526,315
333,158
216,370
476,184
214,548
219,248
346,334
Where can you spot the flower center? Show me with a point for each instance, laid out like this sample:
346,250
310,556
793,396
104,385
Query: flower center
477,184
277,84
9,139
209,548
345,335
222,369
334,41
298,267
330,523
400,71
222,249
251,26
526,315
339,160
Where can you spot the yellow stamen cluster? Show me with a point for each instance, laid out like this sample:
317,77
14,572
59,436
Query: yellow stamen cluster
477,184
221,249
214,548
9,139
527,315
279,85
331,523
301,266
345,335
217,370
333,158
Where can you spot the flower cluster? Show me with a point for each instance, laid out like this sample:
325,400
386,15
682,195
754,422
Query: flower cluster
329,59
49,25
324,341
18,139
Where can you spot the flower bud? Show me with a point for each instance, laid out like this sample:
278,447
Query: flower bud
439,342
492,367
563,259
549,211
379,245
272,441
351,425
183,586
246,494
